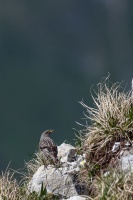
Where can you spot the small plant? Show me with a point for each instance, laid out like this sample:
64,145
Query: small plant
42,196
43,192
93,170
79,142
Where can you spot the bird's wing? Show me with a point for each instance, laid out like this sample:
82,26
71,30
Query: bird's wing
48,146
46,143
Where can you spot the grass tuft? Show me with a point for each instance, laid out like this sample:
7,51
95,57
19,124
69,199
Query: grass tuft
9,188
114,186
111,121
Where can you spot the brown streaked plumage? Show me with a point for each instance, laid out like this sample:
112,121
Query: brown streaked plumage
48,147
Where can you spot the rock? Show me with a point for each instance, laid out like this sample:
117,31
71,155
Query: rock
59,181
115,147
128,144
126,160
106,173
66,152
77,198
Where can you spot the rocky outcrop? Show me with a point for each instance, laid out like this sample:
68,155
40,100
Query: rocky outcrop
60,180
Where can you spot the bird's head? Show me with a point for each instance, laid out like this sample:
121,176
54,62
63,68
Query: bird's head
47,133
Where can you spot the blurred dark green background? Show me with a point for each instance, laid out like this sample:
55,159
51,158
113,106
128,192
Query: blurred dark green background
51,52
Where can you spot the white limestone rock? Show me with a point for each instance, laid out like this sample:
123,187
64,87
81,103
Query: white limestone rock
116,147
76,198
59,181
66,152
126,160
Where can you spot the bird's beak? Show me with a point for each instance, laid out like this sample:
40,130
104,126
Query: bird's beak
51,131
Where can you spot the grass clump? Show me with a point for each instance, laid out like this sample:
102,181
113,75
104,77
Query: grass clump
114,186
9,188
111,121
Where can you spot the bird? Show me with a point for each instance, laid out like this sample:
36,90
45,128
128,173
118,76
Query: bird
48,146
